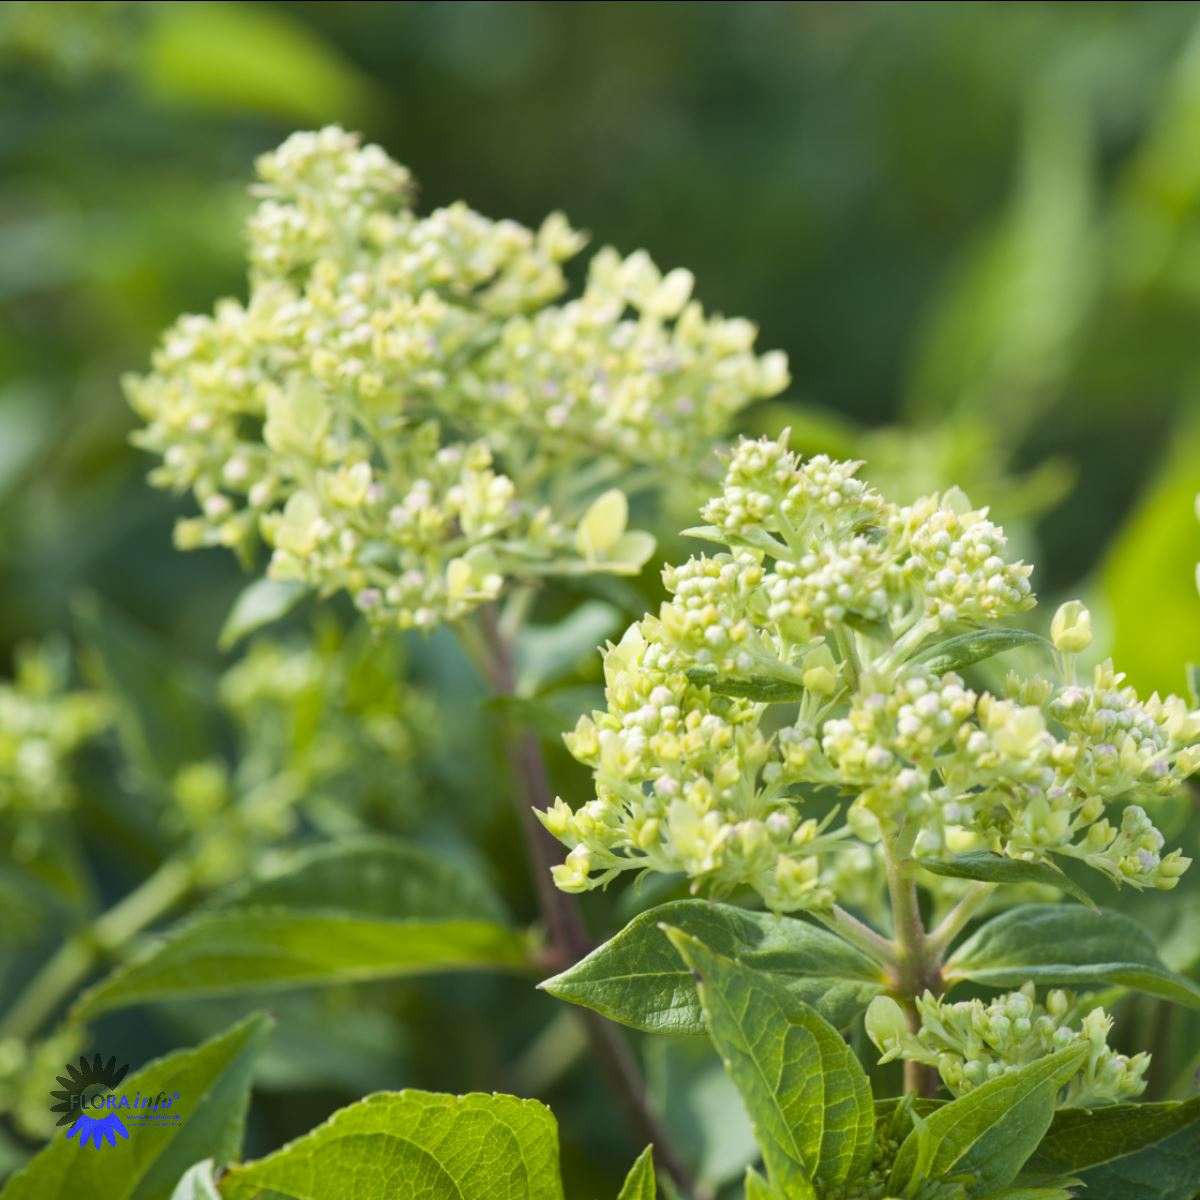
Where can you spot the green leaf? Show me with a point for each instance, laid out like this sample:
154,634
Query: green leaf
260,603
369,909
376,875
752,539
757,1188
549,715
213,1082
167,714
1060,943
1154,629
240,57
1126,1152
417,1145
990,1132
996,868
197,1183
545,653
764,688
1193,680
639,1183
636,977
808,1098
967,649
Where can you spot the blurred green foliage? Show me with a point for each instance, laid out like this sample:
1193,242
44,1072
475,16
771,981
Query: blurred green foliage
975,228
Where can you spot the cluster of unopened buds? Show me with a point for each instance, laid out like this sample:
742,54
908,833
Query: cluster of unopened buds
852,610
406,409
314,722
42,723
972,1041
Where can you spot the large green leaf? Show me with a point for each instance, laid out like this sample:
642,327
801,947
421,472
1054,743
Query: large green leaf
370,909
639,1183
637,978
1060,943
417,1145
996,868
967,649
808,1097
1126,1152
988,1133
213,1082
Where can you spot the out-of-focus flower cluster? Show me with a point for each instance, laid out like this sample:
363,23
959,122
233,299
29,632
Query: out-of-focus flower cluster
972,1041
326,731
24,1069
847,607
42,723
404,411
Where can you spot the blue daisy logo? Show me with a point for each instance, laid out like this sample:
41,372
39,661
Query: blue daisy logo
82,1101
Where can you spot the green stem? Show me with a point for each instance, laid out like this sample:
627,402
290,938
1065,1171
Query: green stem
953,923
859,934
108,935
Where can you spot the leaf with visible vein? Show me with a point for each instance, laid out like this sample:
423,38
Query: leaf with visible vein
637,978
374,908
990,1132
1064,944
766,689
417,1145
967,649
997,868
807,1095
1126,1152
213,1082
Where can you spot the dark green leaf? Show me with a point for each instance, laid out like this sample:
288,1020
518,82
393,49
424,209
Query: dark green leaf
996,868
1061,943
990,1132
213,1082
1126,1152
414,1145
260,603
766,689
807,1095
636,977
373,909
969,648
550,715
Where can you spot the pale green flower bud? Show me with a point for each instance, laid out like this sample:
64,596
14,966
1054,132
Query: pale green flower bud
886,1026
1071,629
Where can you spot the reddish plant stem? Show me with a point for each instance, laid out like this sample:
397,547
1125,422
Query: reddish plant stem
569,941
